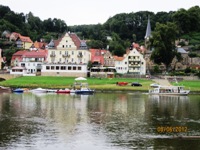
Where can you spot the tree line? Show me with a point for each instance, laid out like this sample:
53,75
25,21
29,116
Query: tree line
123,28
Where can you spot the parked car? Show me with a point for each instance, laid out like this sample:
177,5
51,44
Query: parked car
154,85
136,84
121,83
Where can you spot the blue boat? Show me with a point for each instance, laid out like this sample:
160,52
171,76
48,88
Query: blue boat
18,90
85,91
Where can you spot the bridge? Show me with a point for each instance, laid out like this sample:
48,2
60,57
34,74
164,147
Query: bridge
7,76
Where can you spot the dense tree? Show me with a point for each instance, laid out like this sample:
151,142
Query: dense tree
163,42
120,27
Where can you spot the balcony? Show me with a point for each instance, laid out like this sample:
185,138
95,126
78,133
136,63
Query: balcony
79,55
66,55
52,55
134,65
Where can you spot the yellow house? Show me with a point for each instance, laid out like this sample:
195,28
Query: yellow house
24,42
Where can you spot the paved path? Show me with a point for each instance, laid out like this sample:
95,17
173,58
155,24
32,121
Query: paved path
162,81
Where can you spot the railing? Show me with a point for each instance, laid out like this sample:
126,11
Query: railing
66,55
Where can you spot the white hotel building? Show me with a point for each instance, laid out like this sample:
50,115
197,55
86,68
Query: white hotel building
67,56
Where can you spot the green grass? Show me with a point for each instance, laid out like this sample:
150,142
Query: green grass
98,84
66,82
193,85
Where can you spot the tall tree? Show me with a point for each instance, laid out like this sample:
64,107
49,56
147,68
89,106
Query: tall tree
163,42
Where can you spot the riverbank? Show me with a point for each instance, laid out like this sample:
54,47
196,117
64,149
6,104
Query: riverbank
98,84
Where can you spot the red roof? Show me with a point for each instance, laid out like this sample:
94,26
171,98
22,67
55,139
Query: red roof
34,54
98,55
117,58
25,39
21,52
39,44
75,39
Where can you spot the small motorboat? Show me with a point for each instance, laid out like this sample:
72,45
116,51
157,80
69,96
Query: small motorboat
51,91
39,90
63,91
4,89
85,91
18,90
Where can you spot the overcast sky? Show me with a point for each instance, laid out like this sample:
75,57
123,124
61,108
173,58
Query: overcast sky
78,12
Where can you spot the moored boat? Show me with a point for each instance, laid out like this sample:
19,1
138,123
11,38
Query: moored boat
63,91
84,90
18,90
4,89
169,90
39,90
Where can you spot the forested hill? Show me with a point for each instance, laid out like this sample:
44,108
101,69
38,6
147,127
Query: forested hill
123,28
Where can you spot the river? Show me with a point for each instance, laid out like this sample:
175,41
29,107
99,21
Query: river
103,121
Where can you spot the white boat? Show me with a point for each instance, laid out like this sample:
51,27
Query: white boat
39,90
169,90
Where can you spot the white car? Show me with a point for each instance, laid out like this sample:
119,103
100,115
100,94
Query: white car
154,85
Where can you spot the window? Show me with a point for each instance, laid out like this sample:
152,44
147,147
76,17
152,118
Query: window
57,67
52,67
69,68
63,46
22,65
74,68
47,67
79,68
60,52
63,68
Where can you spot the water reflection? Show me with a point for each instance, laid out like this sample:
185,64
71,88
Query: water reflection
99,121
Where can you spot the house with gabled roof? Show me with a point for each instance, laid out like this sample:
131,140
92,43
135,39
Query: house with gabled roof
67,56
24,42
97,57
132,62
38,45
28,63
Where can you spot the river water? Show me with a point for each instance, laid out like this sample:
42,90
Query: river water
103,121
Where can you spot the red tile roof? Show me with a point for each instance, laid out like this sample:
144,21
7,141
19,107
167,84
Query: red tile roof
25,39
34,54
97,55
117,58
39,44
75,39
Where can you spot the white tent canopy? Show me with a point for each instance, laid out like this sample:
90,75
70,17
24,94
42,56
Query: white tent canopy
80,79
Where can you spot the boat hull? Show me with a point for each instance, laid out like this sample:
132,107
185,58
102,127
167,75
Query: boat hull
90,92
39,90
63,91
18,90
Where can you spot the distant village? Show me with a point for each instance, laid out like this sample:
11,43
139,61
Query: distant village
69,56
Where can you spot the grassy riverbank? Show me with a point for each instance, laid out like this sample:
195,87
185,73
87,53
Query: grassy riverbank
103,84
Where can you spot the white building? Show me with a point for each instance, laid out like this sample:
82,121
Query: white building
133,62
67,56
28,63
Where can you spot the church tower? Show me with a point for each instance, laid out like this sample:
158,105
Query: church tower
148,34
